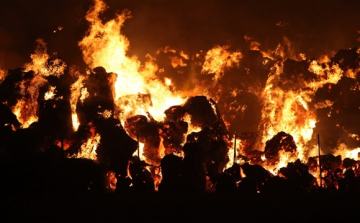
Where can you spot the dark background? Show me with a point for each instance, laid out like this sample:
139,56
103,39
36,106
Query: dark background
314,27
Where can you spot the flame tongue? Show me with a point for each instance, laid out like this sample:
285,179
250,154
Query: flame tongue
105,46
35,74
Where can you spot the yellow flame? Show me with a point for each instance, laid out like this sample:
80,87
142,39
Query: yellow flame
289,111
76,89
106,114
88,148
39,63
346,152
191,127
105,46
219,58
50,94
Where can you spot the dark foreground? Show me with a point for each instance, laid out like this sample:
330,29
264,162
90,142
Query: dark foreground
316,207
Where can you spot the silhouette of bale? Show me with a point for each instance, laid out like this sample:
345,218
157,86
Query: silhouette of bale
7,117
256,177
330,162
172,170
298,176
194,168
277,186
81,176
141,178
201,112
226,184
116,146
348,163
27,140
55,119
175,113
11,87
234,171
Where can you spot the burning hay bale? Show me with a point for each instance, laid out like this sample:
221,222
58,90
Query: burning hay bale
147,132
281,142
173,135
97,96
203,112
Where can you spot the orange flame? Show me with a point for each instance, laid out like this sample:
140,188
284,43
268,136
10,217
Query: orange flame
105,46
88,148
74,97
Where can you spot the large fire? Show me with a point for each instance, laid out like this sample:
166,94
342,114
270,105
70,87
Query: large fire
142,93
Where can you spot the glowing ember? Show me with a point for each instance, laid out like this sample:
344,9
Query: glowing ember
111,181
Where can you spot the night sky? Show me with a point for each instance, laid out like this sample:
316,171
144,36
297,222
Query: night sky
314,27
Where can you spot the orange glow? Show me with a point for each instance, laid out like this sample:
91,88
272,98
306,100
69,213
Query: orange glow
26,108
111,181
219,58
50,94
3,75
109,50
76,89
88,148
346,152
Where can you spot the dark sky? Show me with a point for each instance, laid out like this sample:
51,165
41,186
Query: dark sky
315,27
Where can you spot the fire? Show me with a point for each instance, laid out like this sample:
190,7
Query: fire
50,94
111,181
238,145
26,108
140,150
76,89
105,46
325,73
88,148
289,111
219,58
24,113
106,114
3,75
139,91
191,127
346,152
